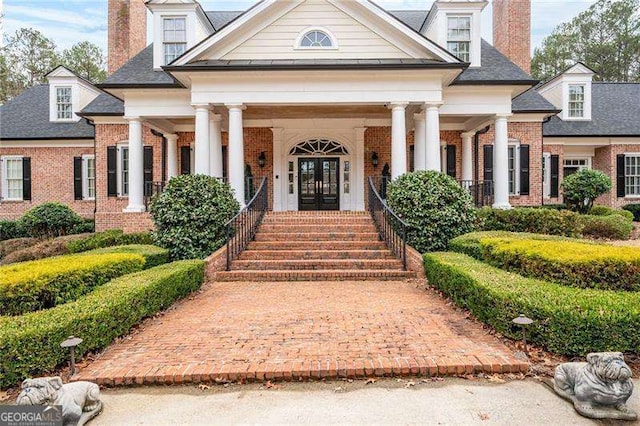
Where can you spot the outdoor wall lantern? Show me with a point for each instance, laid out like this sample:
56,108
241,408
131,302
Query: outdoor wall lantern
262,160
374,159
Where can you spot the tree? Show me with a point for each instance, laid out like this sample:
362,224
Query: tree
31,55
87,60
583,187
606,37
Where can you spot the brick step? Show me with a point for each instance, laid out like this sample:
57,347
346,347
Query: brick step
315,254
317,236
325,275
316,245
365,220
316,228
316,264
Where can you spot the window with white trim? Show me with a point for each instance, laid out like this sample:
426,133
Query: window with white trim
632,175
573,165
88,177
64,103
546,175
12,185
576,100
174,38
459,36
513,161
123,170
316,39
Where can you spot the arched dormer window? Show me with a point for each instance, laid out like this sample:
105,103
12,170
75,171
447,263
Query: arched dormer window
316,38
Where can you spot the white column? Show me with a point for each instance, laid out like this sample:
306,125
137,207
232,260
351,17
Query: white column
467,156
280,173
136,167
358,183
215,147
202,142
419,147
172,155
433,153
398,139
236,151
501,164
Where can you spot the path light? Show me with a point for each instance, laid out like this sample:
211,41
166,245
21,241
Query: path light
71,343
523,321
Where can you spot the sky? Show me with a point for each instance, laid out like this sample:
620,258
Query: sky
70,21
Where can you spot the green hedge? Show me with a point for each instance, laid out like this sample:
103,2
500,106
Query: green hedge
153,255
613,227
608,211
30,344
568,321
42,284
42,249
10,229
635,211
114,237
569,262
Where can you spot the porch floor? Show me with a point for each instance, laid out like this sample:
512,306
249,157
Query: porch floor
298,330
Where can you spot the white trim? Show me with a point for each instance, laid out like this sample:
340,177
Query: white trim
85,176
515,143
546,175
629,155
298,43
43,143
4,177
120,146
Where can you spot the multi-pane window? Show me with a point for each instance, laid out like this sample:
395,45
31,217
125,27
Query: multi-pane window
574,165
64,103
174,38
316,39
123,170
513,169
632,175
576,101
459,36
89,177
12,178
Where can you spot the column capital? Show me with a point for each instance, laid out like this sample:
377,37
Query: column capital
238,105
171,136
398,105
215,117
201,106
419,116
468,134
133,118
432,105
504,116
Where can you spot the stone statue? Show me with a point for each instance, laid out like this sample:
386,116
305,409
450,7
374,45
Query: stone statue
598,388
80,401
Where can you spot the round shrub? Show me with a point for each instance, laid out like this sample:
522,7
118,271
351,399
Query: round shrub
50,220
436,207
191,214
634,209
608,211
583,187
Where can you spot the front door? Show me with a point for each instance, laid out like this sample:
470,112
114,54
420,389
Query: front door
318,184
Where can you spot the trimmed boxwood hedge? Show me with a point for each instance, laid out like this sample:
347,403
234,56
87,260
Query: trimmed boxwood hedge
30,344
113,237
570,262
567,321
42,284
153,255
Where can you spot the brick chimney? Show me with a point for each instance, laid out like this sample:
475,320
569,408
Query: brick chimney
127,31
512,30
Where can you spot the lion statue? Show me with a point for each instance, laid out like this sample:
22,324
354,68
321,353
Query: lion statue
80,401
598,388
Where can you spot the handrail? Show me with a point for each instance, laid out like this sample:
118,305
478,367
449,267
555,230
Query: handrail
481,191
241,229
391,229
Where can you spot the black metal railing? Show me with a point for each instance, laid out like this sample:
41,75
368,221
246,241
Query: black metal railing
481,191
391,229
242,228
152,189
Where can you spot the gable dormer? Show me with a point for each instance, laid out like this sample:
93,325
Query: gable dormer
178,25
457,26
571,92
68,94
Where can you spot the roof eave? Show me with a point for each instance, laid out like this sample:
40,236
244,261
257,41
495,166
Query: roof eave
592,136
107,86
537,111
49,138
495,83
310,67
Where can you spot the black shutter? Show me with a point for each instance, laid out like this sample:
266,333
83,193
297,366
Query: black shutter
148,170
225,162
488,163
185,160
112,172
77,178
26,178
451,160
620,176
555,176
524,170
412,158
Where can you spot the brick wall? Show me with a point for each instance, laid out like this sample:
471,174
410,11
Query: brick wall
512,30
127,31
51,180
605,160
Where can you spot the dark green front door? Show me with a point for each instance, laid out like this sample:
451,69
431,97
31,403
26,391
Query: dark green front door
318,187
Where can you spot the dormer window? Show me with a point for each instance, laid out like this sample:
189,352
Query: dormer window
316,38
459,36
64,103
174,38
576,100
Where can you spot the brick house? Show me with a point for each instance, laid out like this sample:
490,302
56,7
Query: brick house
320,95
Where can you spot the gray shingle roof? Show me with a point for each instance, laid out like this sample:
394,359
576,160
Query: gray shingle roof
27,117
532,101
222,18
412,18
139,71
615,111
104,104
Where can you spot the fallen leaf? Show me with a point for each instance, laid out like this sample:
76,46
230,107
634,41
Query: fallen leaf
483,416
409,384
269,385
496,379
370,381
204,387
338,389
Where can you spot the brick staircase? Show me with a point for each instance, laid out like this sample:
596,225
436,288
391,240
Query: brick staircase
316,246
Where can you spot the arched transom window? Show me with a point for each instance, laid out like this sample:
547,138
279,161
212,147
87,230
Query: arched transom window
319,147
316,38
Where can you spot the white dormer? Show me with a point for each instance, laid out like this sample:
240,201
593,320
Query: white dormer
571,92
457,26
68,94
178,25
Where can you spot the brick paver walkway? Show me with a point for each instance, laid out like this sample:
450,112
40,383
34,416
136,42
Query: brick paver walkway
261,331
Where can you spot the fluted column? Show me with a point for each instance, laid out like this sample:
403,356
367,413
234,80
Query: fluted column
419,147
433,154
172,155
236,151
215,137
136,167
467,156
398,139
202,142
501,164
